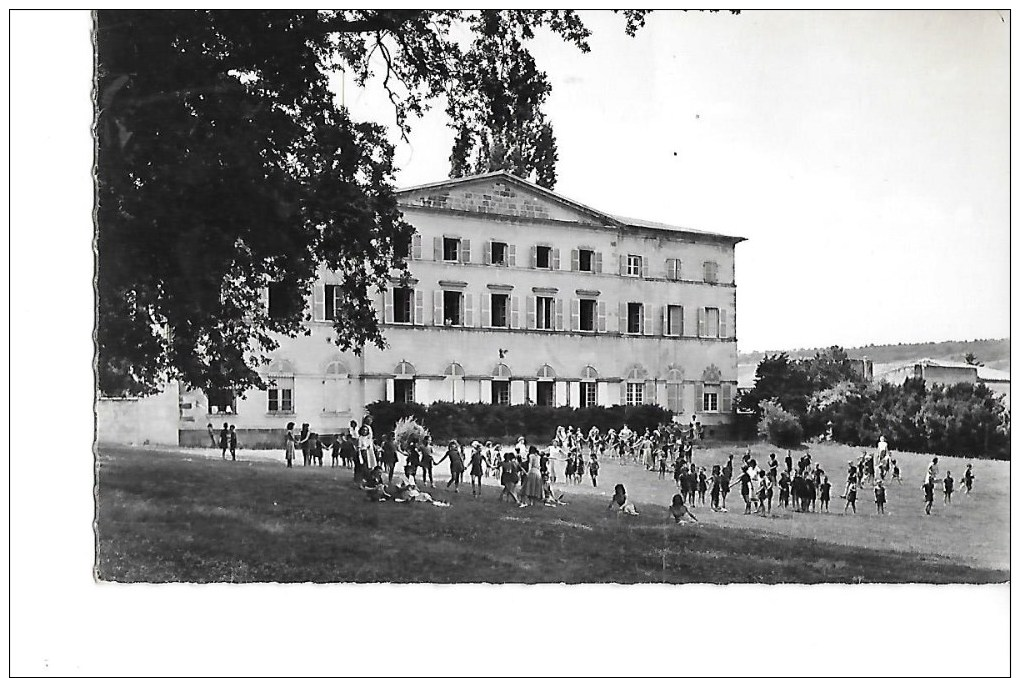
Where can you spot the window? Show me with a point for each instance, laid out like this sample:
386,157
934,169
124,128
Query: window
588,398
279,303
402,248
675,320
711,403
586,260
451,307
451,249
500,310
711,272
544,312
500,392
332,301
334,397
672,269
499,253
634,319
633,265
545,393
222,401
403,390
281,394
673,401
588,313
403,304
635,393
711,322
543,257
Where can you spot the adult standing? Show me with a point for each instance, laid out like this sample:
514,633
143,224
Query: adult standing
305,442
289,444
212,434
224,439
533,491
366,445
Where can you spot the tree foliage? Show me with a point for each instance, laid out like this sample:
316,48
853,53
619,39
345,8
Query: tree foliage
224,164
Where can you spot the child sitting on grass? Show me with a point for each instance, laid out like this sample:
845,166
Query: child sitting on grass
619,502
374,486
679,510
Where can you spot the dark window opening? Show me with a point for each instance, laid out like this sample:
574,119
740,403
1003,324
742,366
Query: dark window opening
545,393
543,257
332,296
403,302
499,253
544,313
587,315
280,303
222,401
634,318
585,260
587,394
500,315
451,249
500,392
451,307
403,390
402,248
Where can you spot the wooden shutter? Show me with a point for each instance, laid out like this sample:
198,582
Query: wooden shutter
416,246
641,267
531,311
319,302
554,259
487,252
465,251
485,301
419,308
701,321
598,262
437,308
380,306
649,398
388,305
647,316
511,255
727,398
437,248
623,264
623,392
699,397
602,316
575,260
575,314
533,262
467,303
623,317
559,314
515,312
723,329
665,320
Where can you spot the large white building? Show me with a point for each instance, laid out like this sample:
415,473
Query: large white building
517,295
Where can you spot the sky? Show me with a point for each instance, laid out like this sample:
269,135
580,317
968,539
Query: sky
865,156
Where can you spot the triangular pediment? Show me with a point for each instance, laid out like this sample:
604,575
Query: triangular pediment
501,193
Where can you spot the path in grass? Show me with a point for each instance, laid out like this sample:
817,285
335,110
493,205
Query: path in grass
973,530
174,517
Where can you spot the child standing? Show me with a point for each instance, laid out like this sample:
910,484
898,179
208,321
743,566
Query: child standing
224,439
679,510
823,489
880,496
851,496
784,490
593,469
662,467
233,443
968,478
335,450
580,469
717,483
896,472
929,494
947,485
476,463
702,485
571,468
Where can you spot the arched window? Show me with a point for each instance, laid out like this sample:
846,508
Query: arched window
336,387
634,386
712,375
546,372
588,388
636,373
500,385
280,394
501,372
674,389
403,382
404,370
454,382
589,373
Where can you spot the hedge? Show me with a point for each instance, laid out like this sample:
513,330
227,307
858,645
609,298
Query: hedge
502,423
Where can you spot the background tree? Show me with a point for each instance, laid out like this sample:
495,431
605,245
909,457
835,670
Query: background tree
225,167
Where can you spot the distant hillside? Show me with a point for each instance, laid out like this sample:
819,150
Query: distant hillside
992,352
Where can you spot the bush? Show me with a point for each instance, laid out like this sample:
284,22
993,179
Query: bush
483,421
778,426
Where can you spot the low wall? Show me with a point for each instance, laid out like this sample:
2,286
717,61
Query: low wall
152,420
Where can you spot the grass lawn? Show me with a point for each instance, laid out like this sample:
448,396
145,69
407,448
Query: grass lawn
187,516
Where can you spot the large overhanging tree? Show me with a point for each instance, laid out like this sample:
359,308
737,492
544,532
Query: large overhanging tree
224,165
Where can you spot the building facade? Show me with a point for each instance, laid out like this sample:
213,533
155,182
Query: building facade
516,296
